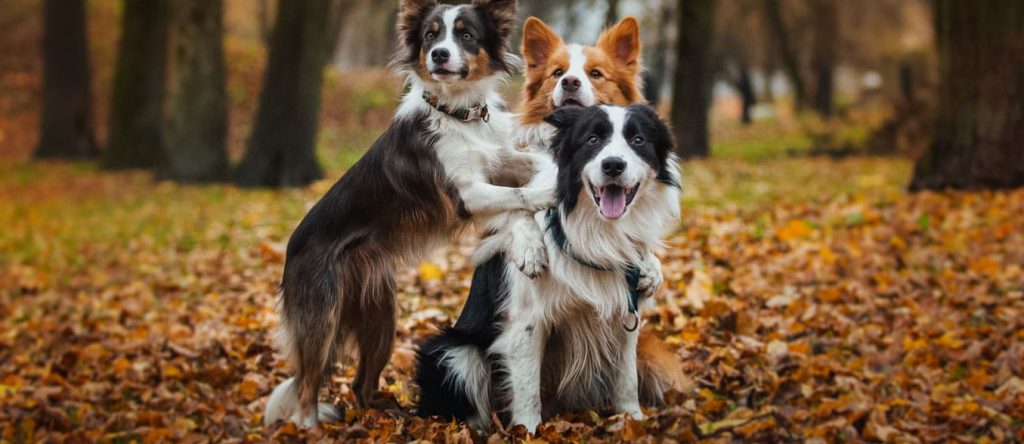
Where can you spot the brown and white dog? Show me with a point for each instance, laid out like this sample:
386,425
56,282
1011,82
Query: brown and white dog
427,176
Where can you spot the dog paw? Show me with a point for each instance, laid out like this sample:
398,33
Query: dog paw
536,199
637,414
650,276
530,423
529,254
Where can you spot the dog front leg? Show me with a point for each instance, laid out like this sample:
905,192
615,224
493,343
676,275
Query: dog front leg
526,244
484,199
627,385
650,275
523,350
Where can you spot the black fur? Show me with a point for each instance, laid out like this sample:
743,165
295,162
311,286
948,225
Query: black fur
583,132
477,326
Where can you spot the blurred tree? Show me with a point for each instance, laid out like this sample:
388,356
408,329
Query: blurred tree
66,126
136,104
738,23
196,131
611,15
282,147
981,97
691,97
826,38
657,54
786,50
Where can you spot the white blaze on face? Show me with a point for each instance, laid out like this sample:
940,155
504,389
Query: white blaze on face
614,188
449,40
576,69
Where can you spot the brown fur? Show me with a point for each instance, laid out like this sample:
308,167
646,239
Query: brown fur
616,56
659,368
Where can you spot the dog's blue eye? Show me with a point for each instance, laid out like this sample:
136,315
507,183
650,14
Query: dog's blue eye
592,140
637,140
467,36
558,73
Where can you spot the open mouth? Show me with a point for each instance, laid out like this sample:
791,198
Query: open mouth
441,73
570,102
612,200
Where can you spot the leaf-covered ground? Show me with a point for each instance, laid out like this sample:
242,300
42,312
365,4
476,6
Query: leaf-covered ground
809,299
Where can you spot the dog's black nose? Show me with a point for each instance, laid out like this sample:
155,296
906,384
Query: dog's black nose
571,83
613,166
440,55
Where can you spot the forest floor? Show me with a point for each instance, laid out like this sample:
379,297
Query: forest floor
808,297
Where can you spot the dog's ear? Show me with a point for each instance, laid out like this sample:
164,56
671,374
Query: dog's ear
539,42
502,13
411,14
564,117
659,133
622,42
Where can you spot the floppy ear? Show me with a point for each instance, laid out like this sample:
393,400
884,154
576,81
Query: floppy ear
564,117
539,42
502,13
660,133
622,41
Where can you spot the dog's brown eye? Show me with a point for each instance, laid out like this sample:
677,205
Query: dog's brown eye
558,73
466,37
592,140
637,140
595,74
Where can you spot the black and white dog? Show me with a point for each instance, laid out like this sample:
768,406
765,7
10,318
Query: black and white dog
431,172
567,340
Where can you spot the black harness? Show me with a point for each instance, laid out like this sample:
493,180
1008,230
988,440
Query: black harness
631,271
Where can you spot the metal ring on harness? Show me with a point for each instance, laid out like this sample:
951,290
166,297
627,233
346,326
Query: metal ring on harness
636,322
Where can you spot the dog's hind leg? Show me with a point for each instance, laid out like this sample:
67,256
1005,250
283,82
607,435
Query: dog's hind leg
310,311
374,334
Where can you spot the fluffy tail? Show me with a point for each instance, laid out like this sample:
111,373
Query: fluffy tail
284,405
453,374
659,368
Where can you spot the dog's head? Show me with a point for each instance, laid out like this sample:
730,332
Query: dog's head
609,156
560,75
455,43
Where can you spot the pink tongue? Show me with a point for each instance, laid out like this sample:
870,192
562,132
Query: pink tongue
613,202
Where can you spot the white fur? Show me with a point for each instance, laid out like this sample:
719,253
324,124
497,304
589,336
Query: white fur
284,405
470,371
576,314
449,41
619,147
577,68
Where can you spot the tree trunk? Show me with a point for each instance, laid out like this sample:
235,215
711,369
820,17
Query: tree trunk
282,147
196,132
136,104
790,61
611,15
691,96
746,90
981,98
66,125
826,38
654,78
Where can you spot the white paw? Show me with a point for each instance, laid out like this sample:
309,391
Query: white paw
650,276
529,253
530,423
636,414
536,199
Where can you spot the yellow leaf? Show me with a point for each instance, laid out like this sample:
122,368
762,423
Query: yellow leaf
429,271
793,230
